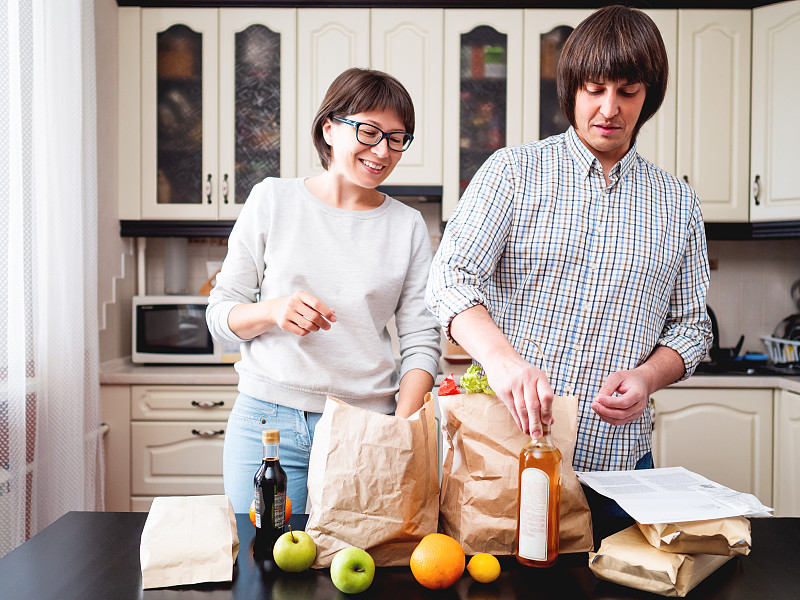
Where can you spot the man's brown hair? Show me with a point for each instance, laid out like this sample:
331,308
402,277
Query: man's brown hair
356,91
612,44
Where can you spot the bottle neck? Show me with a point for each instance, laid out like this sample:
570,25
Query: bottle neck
270,451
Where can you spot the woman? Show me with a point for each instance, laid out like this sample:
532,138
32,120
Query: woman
315,270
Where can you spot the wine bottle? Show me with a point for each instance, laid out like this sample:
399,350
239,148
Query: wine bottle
539,502
270,496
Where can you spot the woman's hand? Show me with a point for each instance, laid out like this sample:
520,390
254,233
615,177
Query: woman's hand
301,313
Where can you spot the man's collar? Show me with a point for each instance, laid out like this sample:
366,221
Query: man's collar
584,157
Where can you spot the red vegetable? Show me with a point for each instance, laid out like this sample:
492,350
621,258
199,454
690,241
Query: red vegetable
448,386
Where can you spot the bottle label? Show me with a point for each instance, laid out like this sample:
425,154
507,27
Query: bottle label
280,510
533,502
258,508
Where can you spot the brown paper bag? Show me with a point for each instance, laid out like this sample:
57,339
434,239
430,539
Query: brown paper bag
628,558
188,539
373,482
726,537
480,475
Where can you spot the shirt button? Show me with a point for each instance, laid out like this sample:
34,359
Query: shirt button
594,266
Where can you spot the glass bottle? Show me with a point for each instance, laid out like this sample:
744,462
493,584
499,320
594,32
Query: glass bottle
270,496
539,502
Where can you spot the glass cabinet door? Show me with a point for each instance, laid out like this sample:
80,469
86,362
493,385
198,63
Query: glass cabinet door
483,93
179,124
256,102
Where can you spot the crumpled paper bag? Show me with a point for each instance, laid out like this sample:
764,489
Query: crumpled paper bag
727,537
628,558
373,482
480,475
188,539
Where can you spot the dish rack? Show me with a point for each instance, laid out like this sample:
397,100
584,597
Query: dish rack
782,351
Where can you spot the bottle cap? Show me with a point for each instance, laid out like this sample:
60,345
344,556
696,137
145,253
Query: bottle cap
270,436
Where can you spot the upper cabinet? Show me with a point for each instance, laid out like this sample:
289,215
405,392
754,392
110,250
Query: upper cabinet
404,43
775,129
713,125
483,53
216,97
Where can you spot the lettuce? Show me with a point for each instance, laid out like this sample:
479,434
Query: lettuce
473,383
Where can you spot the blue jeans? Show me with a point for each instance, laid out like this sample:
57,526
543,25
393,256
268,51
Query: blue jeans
243,450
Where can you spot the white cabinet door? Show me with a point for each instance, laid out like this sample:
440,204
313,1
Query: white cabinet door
408,45
545,34
328,43
179,113
722,434
483,56
257,106
177,458
775,128
656,139
713,75
786,480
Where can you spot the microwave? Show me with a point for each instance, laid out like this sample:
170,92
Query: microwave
173,330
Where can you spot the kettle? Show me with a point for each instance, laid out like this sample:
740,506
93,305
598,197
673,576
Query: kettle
716,353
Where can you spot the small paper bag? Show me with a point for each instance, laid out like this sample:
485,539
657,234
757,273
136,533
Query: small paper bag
726,537
373,482
628,558
188,539
480,475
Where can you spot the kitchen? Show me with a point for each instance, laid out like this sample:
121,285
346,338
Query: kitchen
753,244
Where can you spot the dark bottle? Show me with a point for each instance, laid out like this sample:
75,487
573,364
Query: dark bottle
270,496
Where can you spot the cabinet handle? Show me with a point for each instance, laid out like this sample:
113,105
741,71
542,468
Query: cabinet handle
208,188
207,433
757,189
208,404
686,179
225,188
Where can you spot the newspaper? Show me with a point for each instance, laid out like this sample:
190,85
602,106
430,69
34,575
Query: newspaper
672,495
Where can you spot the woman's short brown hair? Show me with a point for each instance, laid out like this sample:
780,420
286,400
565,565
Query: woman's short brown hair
356,91
614,43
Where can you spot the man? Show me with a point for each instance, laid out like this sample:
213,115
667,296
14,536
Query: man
580,244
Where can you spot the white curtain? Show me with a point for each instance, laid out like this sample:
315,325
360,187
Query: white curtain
50,440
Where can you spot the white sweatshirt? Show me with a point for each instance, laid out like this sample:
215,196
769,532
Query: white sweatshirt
365,265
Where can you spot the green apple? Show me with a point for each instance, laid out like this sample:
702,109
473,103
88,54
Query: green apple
352,570
294,551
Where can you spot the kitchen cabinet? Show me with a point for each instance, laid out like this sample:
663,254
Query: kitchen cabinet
713,124
483,57
775,129
786,480
404,43
168,444
216,109
722,434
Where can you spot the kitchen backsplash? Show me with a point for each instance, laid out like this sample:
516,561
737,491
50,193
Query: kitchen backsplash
749,289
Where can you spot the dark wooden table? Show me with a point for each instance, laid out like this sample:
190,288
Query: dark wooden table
88,556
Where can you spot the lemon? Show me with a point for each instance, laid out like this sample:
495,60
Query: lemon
484,568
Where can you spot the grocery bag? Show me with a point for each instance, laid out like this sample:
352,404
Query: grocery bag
728,536
480,475
627,558
373,482
188,539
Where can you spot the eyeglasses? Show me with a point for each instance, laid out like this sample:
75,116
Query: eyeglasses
369,135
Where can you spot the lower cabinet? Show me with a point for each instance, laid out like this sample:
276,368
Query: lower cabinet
722,434
175,436
786,478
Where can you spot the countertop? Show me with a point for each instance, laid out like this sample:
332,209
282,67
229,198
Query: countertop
94,555
124,372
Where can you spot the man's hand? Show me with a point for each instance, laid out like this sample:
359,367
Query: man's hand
525,391
628,405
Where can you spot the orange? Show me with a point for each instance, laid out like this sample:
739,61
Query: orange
253,511
438,561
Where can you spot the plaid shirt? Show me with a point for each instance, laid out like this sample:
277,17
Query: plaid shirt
598,275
